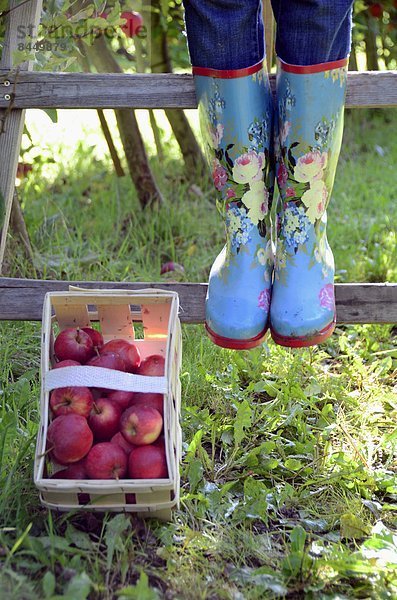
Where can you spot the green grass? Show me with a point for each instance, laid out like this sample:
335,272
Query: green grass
289,480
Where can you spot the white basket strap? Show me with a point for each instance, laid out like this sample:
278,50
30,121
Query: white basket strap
103,378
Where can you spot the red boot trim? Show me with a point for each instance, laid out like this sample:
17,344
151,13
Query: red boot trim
304,342
228,73
225,342
306,69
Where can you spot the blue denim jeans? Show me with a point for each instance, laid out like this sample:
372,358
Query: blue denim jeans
228,34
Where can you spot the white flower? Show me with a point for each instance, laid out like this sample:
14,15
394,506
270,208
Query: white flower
310,166
248,167
256,200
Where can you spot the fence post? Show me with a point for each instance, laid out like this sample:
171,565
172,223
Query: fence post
21,27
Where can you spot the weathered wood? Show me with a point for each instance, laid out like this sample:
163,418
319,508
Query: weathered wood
150,90
24,15
22,299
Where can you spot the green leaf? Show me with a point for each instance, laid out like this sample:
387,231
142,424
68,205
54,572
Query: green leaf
298,538
195,443
48,584
195,473
52,113
293,464
352,527
266,386
140,591
79,587
78,538
243,421
114,530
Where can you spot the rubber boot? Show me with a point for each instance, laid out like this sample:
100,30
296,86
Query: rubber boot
235,110
310,127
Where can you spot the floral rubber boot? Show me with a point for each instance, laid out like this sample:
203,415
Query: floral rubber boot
235,108
310,128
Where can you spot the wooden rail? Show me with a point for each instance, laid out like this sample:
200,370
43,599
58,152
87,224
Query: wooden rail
115,90
22,299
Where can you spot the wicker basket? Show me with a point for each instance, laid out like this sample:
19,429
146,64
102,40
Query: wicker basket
150,319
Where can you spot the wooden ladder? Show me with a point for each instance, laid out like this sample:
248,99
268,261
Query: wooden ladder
22,299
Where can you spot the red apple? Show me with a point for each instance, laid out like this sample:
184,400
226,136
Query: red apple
152,365
134,23
106,461
147,462
127,351
170,267
104,419
149,399
120,440
122,399
141,425
74,344
66,363
75,471
97,393
95,335
69,438
376,10
66,400
160,442
108,360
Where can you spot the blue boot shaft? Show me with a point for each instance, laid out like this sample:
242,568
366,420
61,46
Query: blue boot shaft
236,119
310,126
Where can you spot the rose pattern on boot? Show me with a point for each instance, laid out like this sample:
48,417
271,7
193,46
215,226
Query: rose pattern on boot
239,174
310,123
236,123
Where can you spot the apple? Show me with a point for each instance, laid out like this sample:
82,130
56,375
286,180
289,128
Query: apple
74,471
106,461
160,442
66,400
66,363
104,419
134,23
108,360
95,335
122,399
74,344
149,399
96,393
141,425
69,438
152,365
120,440
171,267
127,351
147,462
376,10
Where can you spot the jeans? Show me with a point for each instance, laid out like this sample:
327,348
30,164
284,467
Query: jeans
228,34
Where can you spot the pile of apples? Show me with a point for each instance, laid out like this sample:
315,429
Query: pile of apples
99,433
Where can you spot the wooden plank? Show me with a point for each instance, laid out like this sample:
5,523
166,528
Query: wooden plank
25,15
22,299
159,90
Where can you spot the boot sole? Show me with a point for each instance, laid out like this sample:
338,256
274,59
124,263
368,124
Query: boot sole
304,342
232,344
